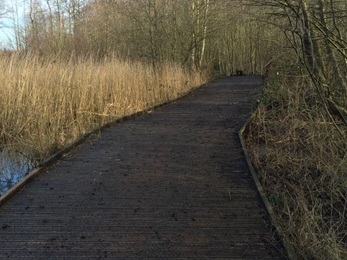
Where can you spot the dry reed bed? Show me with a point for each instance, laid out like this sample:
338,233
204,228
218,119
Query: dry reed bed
301,160
46,104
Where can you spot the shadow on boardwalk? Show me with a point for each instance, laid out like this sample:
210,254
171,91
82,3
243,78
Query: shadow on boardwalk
171,184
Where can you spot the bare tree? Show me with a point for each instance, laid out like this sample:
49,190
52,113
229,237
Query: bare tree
314,30
196,33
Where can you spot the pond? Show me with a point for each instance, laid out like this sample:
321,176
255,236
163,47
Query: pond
13,168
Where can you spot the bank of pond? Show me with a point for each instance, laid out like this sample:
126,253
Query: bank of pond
13,168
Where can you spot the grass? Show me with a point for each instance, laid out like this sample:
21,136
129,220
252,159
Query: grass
301,159
47,103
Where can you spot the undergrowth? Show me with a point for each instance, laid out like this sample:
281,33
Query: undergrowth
301,159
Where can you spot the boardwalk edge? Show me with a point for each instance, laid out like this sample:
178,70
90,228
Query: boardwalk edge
65,150
19,185
288,248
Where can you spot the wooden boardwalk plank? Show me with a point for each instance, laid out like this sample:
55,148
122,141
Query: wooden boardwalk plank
171,184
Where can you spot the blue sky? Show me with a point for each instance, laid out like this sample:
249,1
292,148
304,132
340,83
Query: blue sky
7,20
6,34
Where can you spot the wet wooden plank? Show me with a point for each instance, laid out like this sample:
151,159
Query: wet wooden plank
170,184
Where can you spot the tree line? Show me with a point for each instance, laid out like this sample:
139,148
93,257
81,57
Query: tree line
211,34
224,35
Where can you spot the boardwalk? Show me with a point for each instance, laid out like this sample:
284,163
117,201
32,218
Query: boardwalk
171,184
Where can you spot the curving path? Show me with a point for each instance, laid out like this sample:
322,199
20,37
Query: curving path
170,184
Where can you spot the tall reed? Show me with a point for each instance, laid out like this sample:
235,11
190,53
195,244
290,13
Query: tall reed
48,103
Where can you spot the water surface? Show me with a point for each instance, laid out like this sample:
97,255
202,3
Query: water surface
13,168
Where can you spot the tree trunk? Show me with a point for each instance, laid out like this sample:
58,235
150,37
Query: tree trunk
207,5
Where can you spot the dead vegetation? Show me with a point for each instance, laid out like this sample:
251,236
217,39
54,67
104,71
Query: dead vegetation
301,158
48,103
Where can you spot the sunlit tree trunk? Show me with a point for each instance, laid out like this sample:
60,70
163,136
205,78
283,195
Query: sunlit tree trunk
330,60
205,25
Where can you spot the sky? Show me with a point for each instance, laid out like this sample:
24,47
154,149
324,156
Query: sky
7,21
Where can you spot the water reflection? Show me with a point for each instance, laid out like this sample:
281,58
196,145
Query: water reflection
13,168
